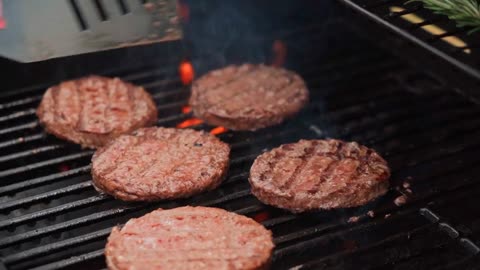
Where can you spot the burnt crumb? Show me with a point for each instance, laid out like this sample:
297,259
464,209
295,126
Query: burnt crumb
400,200
197,144
387,216
353,219
371,214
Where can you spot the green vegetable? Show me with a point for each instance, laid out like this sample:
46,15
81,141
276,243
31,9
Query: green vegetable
465,12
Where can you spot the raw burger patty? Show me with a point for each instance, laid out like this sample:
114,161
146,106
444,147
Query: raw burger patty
319,174
160,163
189,238
93,110
248,97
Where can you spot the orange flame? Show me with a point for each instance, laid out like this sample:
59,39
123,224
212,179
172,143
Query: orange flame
186,109
186,72
262,216
218,130
279,49
183,11
190,122
3,23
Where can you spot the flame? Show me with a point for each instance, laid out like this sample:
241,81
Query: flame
218,130
186,72
186,109
183,11
279,49
63,168
3,23
262,216
190,122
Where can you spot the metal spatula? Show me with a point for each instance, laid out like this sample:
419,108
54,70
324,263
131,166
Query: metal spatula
39,30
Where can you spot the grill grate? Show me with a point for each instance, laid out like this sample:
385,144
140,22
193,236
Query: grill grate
414,20
451,51
51,217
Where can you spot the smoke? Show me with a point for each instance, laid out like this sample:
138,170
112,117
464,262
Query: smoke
225,32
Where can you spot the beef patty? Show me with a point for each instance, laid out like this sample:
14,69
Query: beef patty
248,97
93,110
319,174
160,163
189,238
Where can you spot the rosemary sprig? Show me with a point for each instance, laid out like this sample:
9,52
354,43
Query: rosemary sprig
465,12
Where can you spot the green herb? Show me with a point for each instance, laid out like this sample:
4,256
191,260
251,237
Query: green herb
465,12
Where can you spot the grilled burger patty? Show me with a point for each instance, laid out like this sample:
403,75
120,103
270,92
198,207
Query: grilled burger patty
93,110
248,97
189,238
160,163
319,174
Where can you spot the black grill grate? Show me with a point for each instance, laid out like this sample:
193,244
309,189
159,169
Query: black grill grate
52,218
395,15
423,38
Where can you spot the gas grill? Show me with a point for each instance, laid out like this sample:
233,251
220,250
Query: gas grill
51,217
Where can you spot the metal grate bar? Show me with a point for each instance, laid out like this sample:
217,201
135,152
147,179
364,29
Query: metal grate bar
71,224
406,112
54,210
30,183
176,117
312,242
22,140
71,261
319,229
395,151
405,127
332,259
19,102
171,105
45,163
49,248
235,178
165,94
279,220
32,152
244,158
44,196
26,126
18,114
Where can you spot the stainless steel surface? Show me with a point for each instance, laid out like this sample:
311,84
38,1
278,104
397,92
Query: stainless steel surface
40,30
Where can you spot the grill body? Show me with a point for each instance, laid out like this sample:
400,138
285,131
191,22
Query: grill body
52,218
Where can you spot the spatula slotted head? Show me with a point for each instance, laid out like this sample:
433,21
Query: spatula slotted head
40,30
